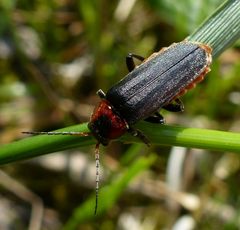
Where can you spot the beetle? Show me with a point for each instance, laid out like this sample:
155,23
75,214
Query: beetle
157,83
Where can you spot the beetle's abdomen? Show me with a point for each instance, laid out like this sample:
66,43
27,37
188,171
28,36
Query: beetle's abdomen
159,79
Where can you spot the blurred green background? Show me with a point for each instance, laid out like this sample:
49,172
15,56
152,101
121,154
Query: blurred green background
54,55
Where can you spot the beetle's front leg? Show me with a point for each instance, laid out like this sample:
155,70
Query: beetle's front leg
130,62
137,133
101,94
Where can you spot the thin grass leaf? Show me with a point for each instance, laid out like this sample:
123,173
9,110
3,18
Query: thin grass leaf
185,15
221,29
157,134
189,137
43,144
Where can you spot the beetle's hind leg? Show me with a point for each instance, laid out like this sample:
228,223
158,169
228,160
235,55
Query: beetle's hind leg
156,118
175,106
130,62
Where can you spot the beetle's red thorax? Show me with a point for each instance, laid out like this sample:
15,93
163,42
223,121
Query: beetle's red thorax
105,123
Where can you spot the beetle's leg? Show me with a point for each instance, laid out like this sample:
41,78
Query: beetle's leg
140,135
177,106
156,118
101,94
130,62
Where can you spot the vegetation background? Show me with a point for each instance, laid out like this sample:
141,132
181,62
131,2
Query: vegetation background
54,55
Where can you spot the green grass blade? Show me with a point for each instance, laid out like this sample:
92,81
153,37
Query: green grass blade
43,144
190,137
221,29
157,134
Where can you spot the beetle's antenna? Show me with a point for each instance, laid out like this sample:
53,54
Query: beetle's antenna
97,176
83,134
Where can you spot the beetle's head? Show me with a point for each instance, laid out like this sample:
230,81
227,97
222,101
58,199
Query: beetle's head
105,124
